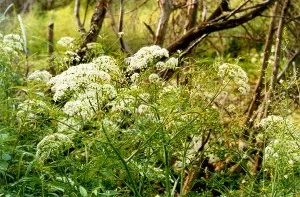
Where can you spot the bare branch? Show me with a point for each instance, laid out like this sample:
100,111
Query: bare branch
207,28
77,16
150,30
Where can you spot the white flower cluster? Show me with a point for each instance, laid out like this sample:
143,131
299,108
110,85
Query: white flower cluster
11,45
30,109
52,146
14,41
124,103
107,64
144,57
283,134
235,73
71,56
40,76
134,77
170,63
76,78
66,42
86,103
271,121
153,78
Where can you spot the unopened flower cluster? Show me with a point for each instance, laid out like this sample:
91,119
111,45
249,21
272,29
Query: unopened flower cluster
31,109
53,146
235,73
145,57
40,76
284,139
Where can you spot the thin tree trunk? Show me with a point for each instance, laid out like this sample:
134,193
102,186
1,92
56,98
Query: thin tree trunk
51,47
95,27
192,10
166,9
124,46
269,95
77,16
256,100
117,30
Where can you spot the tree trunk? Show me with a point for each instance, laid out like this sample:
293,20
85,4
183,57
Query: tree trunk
269,95
165,12
95,27
256,100
192,9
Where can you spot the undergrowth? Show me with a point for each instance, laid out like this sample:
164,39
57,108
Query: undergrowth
116,127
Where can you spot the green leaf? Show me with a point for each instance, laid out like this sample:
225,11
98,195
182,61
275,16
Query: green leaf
83,191
6,156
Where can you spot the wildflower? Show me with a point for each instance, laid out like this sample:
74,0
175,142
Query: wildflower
72,56
106,64
14,41
66,42
144,57
153,78
291,162
142,109
52,146
124,103
144,96
236,74
135,77
286,176
271,121
40,76
75,78
160,64
86,103
31,109
172,62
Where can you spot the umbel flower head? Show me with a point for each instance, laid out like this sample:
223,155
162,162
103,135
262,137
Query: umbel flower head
10,46
86,103
145,57
40,76
76,78
66,42
52,146
232,72
106,64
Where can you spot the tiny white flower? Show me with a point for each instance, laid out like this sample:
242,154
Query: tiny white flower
291,162
153,78
41,76
134,77
66,42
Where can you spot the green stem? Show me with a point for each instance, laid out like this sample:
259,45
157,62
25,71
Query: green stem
133,186
167,171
